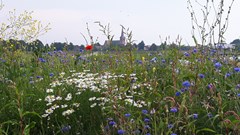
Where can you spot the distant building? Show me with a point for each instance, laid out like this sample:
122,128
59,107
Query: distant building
121,42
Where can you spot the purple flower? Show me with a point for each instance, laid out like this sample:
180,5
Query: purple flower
154,60
186,54
227,75
147,127
238,94
186,84
194,50
170,126
177,93
51,74
237,69
173,134
183,89
112,123
42,60
66,128
210,86
163,61
127,115
121,132
195,115
21,64
173,109
146,120
201,76
144,111
218,65
209,115
139,61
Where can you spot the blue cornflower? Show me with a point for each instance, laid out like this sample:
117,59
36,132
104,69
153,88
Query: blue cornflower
209,115
210,86
21,64
42,60
186,54
218,65
170,126
163,61
147,127
227,74
237,69
186,84
238,94
213,51
177,93
127,115
173,134
154,60
146,120
50,53
121,132
112,123
183,89
66,128
51,74
194,50
195,115
148,134
139,61
201,76
144,111
173,109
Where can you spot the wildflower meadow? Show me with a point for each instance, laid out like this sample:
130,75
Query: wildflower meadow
120,91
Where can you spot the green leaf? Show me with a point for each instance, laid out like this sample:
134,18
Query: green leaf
30,113
28,127
206,129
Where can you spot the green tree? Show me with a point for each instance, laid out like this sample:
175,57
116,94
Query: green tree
141,45
153,47
21,27
236,43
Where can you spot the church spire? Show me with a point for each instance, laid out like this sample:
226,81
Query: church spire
122,38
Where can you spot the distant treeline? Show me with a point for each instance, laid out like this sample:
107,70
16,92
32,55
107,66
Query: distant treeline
37,45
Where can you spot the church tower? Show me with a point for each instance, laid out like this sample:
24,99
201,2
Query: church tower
122,38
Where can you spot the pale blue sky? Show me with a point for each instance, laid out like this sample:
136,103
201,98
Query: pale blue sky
146,18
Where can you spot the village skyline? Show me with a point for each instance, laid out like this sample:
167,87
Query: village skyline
147,20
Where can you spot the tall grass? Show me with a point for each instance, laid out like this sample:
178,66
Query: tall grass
120,92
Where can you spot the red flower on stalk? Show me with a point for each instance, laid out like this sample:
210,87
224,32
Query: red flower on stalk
89,47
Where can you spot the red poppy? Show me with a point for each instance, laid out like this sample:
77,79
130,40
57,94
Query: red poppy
89,47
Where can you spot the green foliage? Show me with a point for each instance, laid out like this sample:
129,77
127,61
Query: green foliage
22,26
195,91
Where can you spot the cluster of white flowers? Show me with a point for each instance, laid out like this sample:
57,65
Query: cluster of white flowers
99,83
51,99
68,112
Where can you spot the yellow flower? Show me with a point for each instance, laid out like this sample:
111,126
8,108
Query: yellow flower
154,69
